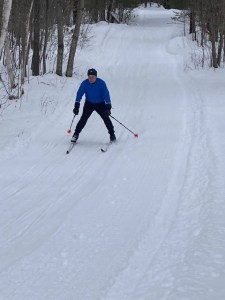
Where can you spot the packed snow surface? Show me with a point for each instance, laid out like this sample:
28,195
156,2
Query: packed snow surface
143,221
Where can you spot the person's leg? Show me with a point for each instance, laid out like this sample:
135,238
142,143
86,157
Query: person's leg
87,111
100,109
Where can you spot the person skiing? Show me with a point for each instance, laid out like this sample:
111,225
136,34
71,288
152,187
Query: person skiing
97,98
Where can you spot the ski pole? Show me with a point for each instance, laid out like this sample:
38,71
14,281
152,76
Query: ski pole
69,130
135,134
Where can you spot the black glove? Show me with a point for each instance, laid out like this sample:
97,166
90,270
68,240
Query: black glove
76,108
108,109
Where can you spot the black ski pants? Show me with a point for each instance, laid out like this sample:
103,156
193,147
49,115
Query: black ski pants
88,110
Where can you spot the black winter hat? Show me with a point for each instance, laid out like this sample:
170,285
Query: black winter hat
92,72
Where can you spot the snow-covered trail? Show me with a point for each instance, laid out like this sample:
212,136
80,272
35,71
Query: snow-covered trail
124,224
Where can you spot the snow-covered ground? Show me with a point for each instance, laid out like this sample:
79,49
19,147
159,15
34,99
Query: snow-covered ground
143,221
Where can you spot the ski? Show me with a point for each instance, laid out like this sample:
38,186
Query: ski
106,148
70,148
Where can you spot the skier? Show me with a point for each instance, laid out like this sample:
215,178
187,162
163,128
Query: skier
97,99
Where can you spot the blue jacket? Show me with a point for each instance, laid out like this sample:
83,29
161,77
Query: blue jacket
96,92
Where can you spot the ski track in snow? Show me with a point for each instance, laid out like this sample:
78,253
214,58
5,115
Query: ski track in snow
84,229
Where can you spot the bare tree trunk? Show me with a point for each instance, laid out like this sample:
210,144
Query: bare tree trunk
5,20
60,38
213,32
223,52
220,48
75,37
109,10
75,7
36,41
102,11
95,10
8,64
45,37
192,25
213,43
25,44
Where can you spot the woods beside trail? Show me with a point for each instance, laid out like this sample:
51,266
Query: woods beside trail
39,37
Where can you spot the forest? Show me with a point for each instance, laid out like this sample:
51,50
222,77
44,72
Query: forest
38,37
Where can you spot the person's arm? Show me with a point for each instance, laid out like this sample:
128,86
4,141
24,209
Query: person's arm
106,94
80,92
79,96
107,100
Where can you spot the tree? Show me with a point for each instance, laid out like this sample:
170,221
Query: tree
25,42
208,16
36,40
7,4
60,38
44,53
75,37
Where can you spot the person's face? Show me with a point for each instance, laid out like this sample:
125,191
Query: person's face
92,78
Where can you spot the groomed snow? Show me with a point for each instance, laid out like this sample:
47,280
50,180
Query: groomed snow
143,221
